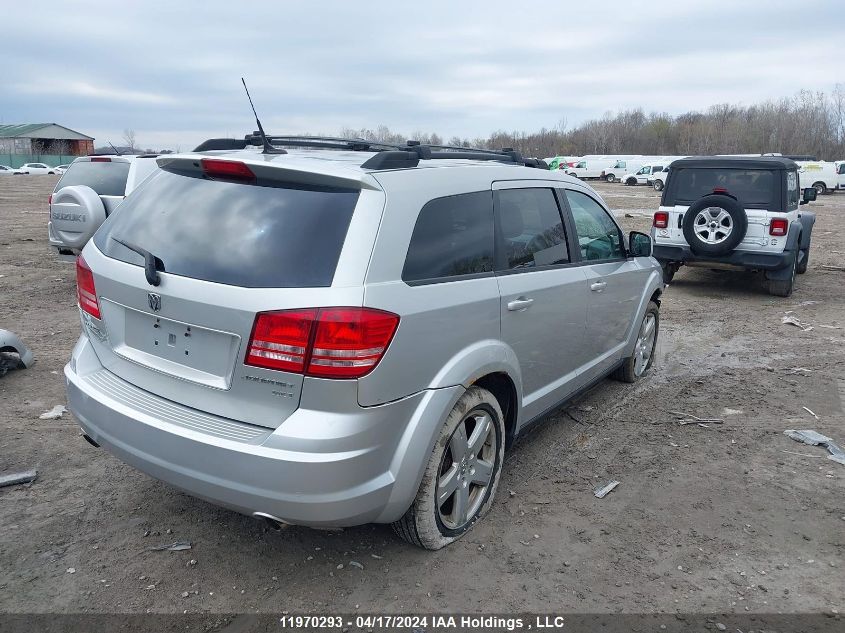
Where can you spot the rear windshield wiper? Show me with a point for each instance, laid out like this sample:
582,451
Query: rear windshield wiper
152,264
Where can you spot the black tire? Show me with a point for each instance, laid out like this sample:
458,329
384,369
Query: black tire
610,178
820,188
631,181
422,525
805,261
658,185
735,232
628,372
669,270
784,287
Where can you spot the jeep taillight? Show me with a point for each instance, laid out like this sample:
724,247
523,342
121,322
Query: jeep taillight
86,293
778,227
661,220
321,342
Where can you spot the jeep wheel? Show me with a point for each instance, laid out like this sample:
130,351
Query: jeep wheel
820,188
636,365
715,225
462,474
610,178
658,185
783,287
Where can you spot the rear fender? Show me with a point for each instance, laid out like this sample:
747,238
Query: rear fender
807,219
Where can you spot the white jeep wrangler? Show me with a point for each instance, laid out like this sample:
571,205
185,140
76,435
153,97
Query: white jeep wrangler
736,213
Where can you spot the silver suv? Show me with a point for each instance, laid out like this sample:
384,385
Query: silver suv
333,337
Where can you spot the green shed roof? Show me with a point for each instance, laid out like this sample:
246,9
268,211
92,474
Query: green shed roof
26,129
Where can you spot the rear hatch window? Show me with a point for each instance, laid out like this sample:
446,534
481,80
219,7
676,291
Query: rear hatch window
263,235
752,187
106,178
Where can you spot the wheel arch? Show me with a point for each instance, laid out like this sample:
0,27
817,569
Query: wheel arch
503,389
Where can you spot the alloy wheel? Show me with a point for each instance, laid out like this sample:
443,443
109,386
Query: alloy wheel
466,470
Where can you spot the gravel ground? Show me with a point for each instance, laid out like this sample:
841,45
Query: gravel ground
732,518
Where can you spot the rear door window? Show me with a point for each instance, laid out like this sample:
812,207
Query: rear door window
453,237
751,187
107,179
264,235
531,229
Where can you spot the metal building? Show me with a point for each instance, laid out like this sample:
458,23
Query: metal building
48,143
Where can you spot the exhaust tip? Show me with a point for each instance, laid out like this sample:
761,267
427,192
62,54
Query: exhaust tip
88,439
274,523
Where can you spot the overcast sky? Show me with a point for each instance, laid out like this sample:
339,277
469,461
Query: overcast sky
171,70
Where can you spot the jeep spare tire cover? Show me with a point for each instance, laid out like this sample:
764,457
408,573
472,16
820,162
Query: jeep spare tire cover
76,212
715,225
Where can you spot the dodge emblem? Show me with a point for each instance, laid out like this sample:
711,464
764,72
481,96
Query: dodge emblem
154,300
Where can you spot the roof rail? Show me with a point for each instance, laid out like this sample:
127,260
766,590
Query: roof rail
388,155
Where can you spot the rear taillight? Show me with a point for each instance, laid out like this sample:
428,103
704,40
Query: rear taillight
661,220
227,169
86,293
50,199
350,341
322,342
778,227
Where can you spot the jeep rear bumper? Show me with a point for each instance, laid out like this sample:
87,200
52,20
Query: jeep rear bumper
742,259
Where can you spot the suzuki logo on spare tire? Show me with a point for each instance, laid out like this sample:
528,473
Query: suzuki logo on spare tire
154,300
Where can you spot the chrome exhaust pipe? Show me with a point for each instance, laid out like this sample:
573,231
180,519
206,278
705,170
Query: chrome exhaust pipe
274,523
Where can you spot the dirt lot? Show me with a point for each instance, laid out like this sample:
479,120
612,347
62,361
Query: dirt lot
731,518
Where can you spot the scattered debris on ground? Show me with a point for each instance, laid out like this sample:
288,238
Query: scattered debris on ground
689,418
53,414
602,492
176,546
15,479
813,438
791,320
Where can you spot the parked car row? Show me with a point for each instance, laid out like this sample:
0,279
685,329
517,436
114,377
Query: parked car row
823,176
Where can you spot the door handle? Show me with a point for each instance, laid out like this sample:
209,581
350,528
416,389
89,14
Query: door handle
520,304
598,286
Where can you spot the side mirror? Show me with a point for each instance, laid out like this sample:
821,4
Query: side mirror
810,194
639,244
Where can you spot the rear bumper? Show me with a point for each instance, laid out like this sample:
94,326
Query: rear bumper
741,259
319,468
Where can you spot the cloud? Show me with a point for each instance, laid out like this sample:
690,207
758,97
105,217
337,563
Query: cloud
171,71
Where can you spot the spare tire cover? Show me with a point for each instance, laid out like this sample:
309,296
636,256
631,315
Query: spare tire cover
76,212
715,225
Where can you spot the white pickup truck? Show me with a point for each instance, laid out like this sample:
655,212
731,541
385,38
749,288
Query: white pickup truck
90,189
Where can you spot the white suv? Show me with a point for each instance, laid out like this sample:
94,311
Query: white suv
87,193
740,213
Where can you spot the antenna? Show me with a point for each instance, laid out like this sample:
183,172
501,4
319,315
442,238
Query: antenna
268,149
116,151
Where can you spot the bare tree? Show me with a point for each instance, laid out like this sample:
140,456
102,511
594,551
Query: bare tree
129,138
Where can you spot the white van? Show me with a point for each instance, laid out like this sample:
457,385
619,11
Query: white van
622,167
840,173
819,174
590,167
